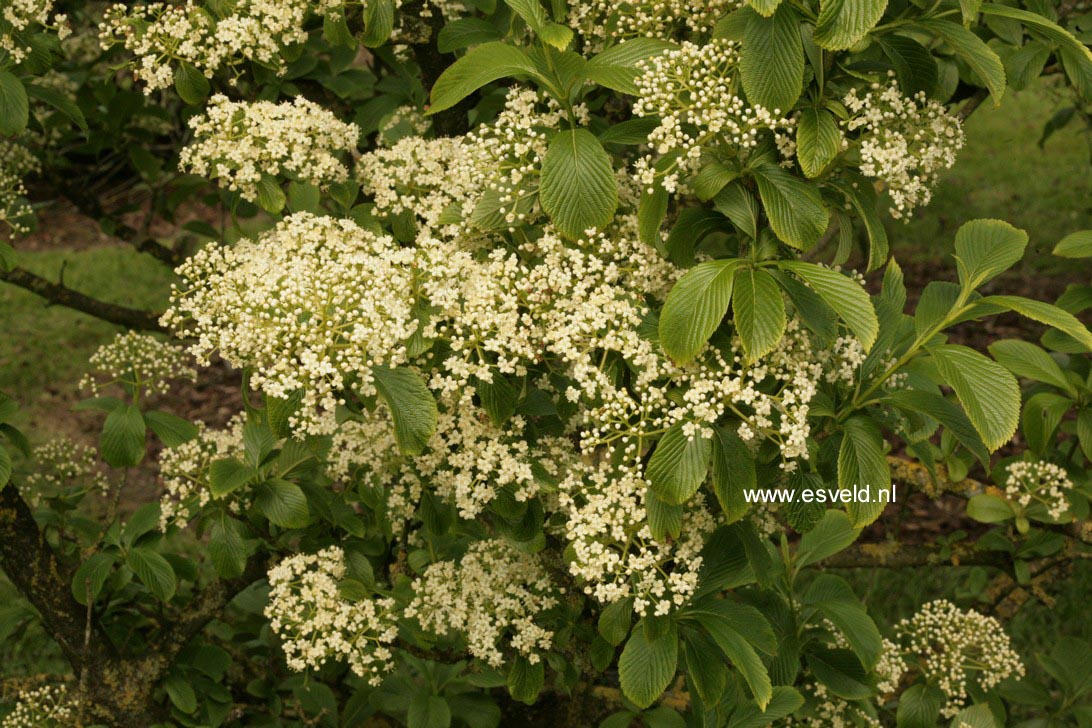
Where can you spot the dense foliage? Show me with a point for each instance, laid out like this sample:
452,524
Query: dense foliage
528,301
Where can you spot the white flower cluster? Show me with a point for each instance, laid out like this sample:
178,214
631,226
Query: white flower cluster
316,623
164,35
955,646
16,162
18,19
62,464
614,552
904,141
889,668
692,90
314,304
602,21
183,470
49,706
140,363
492,592
489,176
1040,482
238,143
827,710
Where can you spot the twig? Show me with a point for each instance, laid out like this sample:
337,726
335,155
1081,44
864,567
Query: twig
62,295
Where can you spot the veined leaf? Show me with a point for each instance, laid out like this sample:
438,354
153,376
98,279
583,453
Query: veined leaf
844,295
695,306
617,67
772,65
843,23
1045,313
1027,360
818,140
988,392
972,49
759,311
863,465
1075,245
154,572
412,406
831,534
481,65
795,207
678,465
647,666
985,249
578,190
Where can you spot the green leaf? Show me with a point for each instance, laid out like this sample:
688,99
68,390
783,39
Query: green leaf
1075,245
412,407
647,666
786,701
765,8
283,503
59,101
986,508
227,546
772,66
843,23
578,189
615,621
525,680
946,413
695,307
759,311
14,105
270,195
1045,313
664,519
181,693
691,228
705,668
154,572
919,707
91,576
378,22
835,600
915,68
988,392
465,32
428,711
1029,361
227,475
144,520
733,473
5,467
986,248
818,140
862,195
123,437
738,204
1043,25
742,654
171,430
841,672
844,295
678,465
972,49
191,85
795,207
551,33
481,65
617,67
833,533
976,716
863,465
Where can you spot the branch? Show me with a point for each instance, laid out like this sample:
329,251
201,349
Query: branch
58,293
34,569
972,103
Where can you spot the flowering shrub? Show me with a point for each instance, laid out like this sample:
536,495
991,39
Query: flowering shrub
526,300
